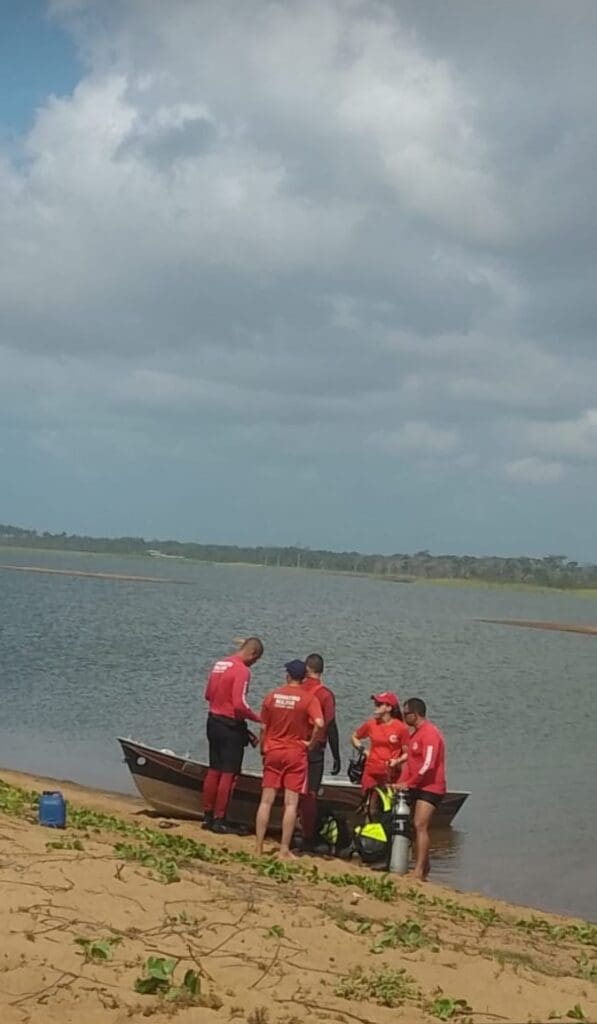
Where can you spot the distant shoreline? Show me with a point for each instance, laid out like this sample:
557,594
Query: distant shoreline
450,581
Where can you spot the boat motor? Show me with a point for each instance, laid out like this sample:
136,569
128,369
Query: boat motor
400,835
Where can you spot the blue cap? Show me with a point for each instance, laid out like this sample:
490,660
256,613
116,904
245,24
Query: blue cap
296,669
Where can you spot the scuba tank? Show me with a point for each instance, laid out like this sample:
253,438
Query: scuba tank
400,835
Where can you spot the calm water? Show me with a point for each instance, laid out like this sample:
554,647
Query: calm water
83,660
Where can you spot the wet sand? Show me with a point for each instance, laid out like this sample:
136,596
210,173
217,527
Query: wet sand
267,949
562,627
94,575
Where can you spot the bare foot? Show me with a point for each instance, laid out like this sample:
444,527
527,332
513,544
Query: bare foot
259,851
419,876
287,855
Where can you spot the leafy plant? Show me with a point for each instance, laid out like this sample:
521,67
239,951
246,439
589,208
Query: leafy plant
158,976
406,933
65,844
445,1008
587,968
99,949
388,987
159,980
275,932
576,1013
166,868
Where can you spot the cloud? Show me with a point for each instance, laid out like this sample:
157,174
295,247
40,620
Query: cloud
575,438
328,231
533,471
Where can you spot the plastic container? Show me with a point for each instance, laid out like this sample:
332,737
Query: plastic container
52,810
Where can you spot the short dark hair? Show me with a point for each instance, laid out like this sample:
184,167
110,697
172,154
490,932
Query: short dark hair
417,706
254,644
315,663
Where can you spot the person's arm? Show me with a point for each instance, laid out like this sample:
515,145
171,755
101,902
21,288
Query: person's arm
359,735
316,717
264,721
428,767
239,698
334,745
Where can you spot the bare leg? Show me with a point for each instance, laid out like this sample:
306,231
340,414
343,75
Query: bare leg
291,801
423,815
268,797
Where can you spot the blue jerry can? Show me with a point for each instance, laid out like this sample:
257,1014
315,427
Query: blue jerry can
52,810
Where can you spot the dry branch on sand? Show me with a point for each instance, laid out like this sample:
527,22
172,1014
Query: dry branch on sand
98,928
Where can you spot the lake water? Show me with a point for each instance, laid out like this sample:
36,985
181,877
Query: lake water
84,660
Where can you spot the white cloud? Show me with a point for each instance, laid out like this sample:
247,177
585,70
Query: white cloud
308,226
532,470
575,438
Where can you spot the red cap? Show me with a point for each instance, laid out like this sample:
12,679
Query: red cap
386,698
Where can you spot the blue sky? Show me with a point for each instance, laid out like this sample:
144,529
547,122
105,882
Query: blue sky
38,57
307,272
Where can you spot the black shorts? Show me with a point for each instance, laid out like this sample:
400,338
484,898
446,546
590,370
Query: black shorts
227,740
316,765
434,799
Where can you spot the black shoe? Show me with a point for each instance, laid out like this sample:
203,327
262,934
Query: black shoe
224,828
208,823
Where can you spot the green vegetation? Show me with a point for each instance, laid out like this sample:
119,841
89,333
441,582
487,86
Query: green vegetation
388,987
165,855
445,1008
158,980
99,949
408,934
551,571
576,1013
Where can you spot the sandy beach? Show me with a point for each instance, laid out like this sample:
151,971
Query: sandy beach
84,909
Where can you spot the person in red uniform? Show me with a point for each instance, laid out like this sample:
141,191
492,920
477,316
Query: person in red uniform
313,683
424,776
227,732
388,738
292,722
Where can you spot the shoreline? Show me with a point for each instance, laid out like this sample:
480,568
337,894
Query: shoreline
84,908
132,807
439,581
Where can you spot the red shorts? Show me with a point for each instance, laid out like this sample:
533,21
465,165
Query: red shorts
376,775
286,769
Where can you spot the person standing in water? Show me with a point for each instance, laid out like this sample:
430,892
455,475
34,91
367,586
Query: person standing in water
314,684
292,723
227,732
424,776
388,738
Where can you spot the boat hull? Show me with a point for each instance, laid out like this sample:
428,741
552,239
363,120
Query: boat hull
173,786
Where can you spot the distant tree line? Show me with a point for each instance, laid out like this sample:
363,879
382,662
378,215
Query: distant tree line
550,571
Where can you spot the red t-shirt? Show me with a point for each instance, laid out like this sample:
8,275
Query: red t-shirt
326,699
227,687
288,715
426,764
386,740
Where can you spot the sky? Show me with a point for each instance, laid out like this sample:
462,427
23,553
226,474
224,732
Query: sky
301,271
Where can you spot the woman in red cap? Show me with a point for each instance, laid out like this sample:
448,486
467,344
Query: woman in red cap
388,739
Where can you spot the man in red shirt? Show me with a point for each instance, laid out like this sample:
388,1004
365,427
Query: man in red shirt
424,776
292,722
313,683
227,732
